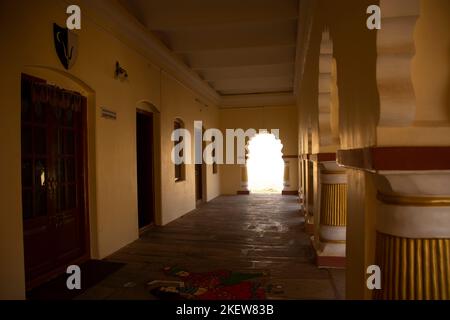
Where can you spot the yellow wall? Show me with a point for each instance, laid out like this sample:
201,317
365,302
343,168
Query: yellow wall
431,65
27,30
283,118
179,102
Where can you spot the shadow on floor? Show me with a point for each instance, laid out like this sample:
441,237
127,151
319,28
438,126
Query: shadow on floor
92,272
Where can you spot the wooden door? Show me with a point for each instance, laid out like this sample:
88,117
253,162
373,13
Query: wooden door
54,201
200,176
198,183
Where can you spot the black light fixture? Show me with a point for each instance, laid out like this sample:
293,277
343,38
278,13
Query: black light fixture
120,72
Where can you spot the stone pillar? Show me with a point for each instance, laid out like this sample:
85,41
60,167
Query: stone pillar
290,185
413,236
329,241
244,180
309,197
301,184
286,176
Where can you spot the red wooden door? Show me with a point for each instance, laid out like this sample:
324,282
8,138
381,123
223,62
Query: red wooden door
53,184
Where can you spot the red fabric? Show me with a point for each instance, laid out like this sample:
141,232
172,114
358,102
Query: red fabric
243,291
217,285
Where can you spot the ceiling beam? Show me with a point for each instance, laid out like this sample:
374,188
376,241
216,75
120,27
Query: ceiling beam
260,83
179,14
265,34
270,70
255,91
258,100
240,57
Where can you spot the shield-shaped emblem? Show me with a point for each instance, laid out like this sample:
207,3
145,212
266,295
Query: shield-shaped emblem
66,45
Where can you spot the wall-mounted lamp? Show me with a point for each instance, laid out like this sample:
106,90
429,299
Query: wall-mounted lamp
120,72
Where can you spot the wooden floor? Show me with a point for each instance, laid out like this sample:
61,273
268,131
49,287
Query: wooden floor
238,233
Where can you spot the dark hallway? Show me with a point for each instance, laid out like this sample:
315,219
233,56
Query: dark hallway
257,233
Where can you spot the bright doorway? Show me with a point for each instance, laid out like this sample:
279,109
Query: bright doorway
265,165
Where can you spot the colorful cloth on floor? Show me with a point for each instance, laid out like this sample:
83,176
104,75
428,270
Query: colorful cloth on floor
215,285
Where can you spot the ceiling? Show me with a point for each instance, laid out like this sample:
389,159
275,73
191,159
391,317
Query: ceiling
239,47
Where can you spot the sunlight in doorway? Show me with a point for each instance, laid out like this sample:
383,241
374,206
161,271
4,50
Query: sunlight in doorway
265,165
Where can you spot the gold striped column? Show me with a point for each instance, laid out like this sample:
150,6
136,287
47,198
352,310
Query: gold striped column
333,205
413,269
413,247
331,235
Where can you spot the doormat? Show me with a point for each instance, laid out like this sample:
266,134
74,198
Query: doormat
214,285
92,272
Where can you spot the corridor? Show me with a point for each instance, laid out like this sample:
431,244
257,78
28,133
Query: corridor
127,133
256,233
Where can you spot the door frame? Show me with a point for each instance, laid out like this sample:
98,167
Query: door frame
204,181
45,277
153,180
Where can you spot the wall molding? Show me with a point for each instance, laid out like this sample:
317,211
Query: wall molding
257,100
413,201
396,158
322,157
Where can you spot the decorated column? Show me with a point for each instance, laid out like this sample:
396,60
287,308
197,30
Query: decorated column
329,239
413,236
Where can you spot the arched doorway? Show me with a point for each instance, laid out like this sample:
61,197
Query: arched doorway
265,165
54,179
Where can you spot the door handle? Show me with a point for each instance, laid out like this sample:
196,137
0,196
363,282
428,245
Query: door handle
51,187
59,220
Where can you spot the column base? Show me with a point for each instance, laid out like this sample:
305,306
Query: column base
309,228
243,192
330,262
289,193
325,255
301,211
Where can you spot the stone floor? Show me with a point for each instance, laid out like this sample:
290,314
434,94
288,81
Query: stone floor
239,233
